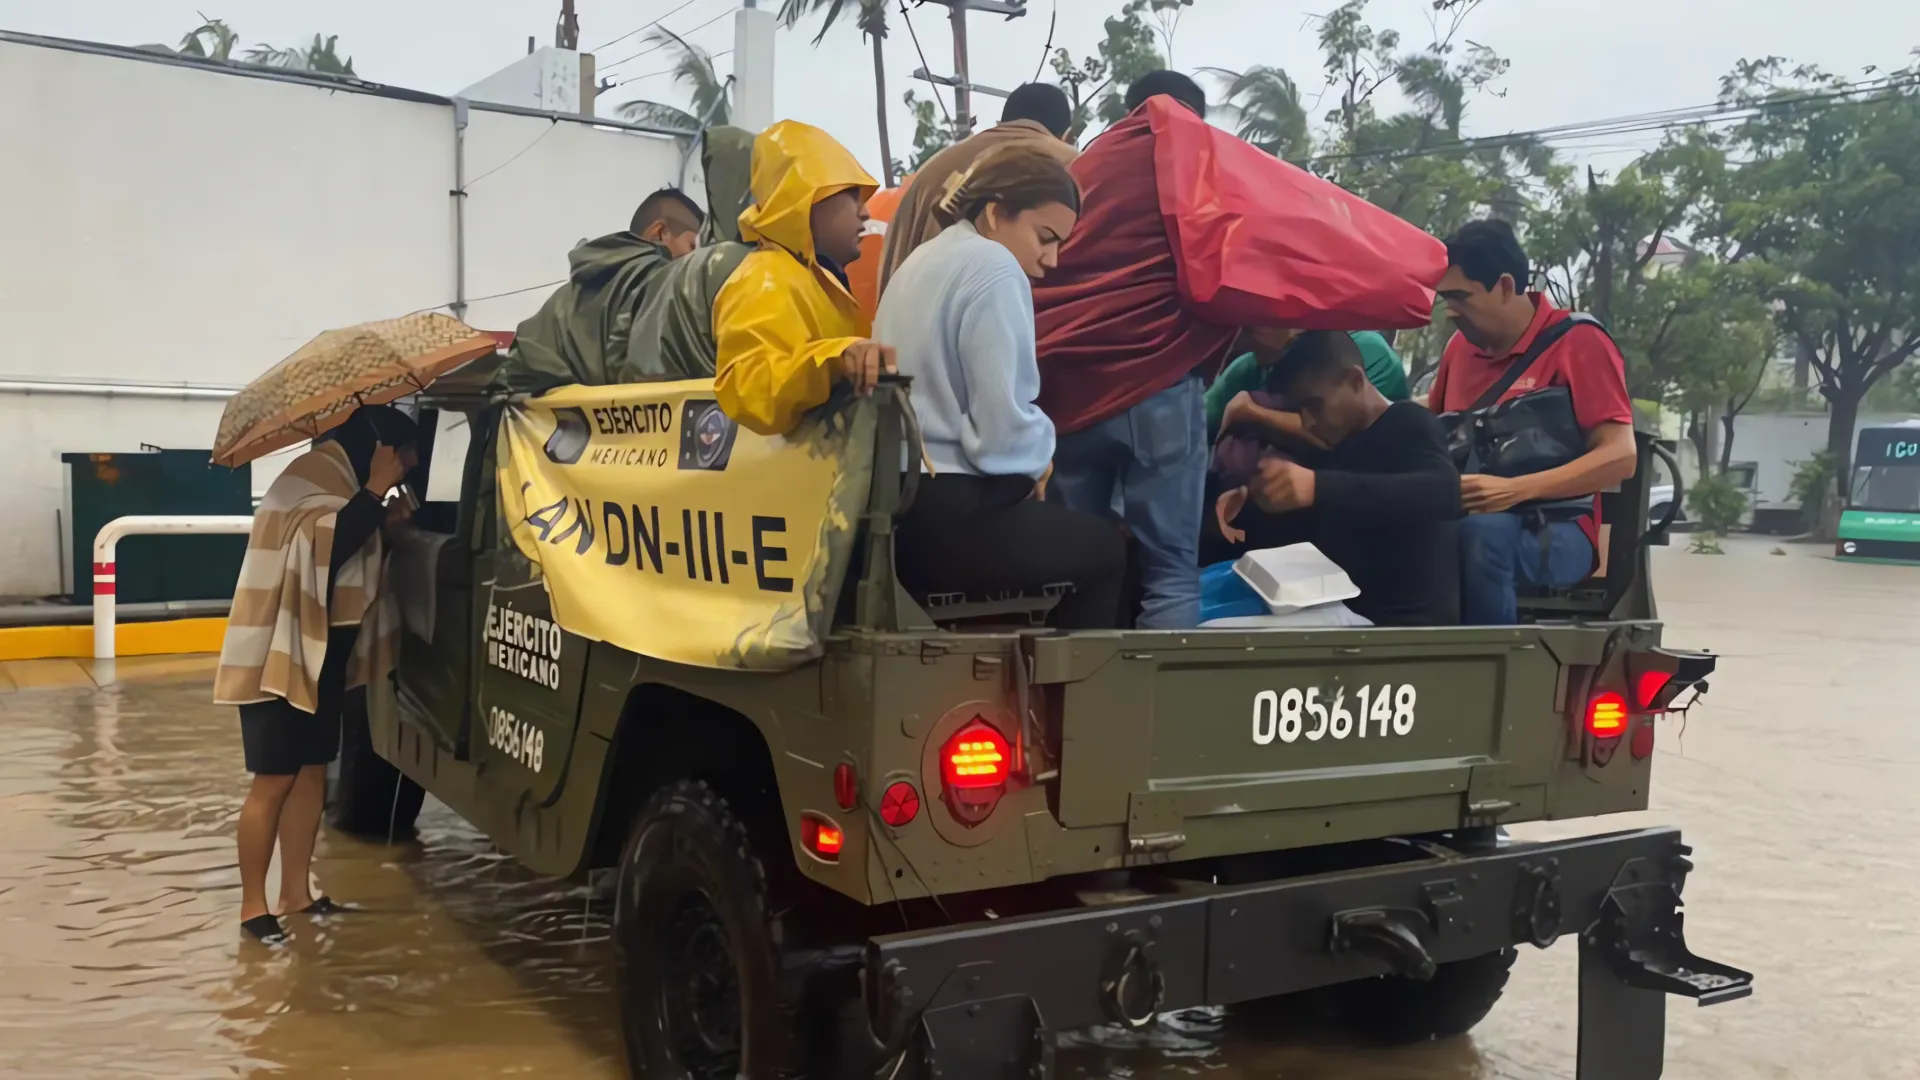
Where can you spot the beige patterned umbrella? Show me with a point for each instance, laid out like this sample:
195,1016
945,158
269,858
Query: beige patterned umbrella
319,386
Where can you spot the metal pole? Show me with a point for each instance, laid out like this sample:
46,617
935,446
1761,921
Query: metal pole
963,87
567,34
104,576
459,193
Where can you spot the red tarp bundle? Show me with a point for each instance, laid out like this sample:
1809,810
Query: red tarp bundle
1187,234
1261,242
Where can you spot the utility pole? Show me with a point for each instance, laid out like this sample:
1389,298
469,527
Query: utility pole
566,35
963,87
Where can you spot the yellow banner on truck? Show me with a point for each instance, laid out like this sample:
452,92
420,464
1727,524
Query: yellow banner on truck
662,527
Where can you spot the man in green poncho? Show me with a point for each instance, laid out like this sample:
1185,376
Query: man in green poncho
637,304
669,218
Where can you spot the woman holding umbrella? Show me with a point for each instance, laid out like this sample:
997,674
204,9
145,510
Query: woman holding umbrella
310,580
310,618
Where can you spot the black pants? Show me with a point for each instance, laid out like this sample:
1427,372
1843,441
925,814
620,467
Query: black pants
985,537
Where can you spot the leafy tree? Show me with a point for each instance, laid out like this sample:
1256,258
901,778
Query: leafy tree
870,17
321,57
1813,480
711,102
1083,85
1131,48
1706,335
930,134
1358,63
1827,193
1415,162
1097,85
1266,105
213,39
1166,19
1718,506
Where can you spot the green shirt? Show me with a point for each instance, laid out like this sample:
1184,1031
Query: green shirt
1384,370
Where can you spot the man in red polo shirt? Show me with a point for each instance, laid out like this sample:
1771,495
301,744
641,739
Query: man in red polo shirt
1497,319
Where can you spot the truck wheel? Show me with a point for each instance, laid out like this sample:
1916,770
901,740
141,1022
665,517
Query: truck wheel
697,945
1393,1010
371,798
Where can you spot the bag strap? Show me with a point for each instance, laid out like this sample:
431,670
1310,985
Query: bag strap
1544,340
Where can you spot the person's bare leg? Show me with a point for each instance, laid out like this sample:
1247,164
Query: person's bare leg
259,825
299,828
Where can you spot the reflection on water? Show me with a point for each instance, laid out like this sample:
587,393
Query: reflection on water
119,953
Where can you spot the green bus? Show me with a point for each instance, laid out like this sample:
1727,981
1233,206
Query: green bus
1881,522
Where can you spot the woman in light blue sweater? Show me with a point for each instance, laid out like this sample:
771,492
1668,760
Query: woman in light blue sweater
959,312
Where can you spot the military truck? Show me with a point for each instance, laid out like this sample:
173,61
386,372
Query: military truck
957,833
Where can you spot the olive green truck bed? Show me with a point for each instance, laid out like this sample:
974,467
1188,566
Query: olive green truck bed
1010,832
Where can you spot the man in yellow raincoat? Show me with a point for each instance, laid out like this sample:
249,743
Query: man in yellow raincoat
785,323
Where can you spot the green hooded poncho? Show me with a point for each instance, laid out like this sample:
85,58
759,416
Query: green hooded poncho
629,314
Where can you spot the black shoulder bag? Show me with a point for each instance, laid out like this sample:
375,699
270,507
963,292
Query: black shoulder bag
1531,434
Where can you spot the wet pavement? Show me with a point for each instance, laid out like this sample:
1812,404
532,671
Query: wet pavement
1798,783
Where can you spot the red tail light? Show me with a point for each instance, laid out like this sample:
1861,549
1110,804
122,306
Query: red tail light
974,766
1649,687
1642,744
1607,716
822,837
846,786
975,759
900,805
1659,676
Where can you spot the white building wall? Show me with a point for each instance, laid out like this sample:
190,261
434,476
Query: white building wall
175,224
547,79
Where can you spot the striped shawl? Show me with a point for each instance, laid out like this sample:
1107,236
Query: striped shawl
276,637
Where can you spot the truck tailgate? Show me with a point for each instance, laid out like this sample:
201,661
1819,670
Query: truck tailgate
1221,741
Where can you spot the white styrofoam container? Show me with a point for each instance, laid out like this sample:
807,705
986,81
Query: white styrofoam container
1295,577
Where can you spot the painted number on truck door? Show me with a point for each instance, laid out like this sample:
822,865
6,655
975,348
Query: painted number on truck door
1375,711
516,739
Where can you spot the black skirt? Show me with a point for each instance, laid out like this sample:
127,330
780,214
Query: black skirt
278,739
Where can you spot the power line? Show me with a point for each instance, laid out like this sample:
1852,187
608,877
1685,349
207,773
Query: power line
552,124
492,296
1638,123
648,26
924,66
651,49
664,71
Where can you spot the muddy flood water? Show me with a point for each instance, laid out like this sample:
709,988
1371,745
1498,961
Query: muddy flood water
1797,782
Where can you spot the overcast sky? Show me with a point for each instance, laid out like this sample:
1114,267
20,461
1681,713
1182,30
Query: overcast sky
1572,59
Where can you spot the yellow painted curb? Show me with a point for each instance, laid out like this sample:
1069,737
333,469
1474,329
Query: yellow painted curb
130,639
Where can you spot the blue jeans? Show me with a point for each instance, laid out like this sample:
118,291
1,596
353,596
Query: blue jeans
1500,553
1150,465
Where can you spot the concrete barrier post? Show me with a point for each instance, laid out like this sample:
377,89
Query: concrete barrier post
106,576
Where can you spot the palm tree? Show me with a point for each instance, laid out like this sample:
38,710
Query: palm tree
212,39
872,21
693,66
1267,104
321,57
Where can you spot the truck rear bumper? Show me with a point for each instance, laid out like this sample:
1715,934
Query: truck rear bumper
982,997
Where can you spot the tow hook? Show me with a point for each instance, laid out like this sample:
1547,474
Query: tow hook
1641,932
1536,904
1390,934
1133,987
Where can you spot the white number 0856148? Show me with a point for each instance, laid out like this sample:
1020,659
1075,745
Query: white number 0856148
1288,715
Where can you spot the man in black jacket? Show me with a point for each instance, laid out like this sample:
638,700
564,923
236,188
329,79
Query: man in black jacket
1384,502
